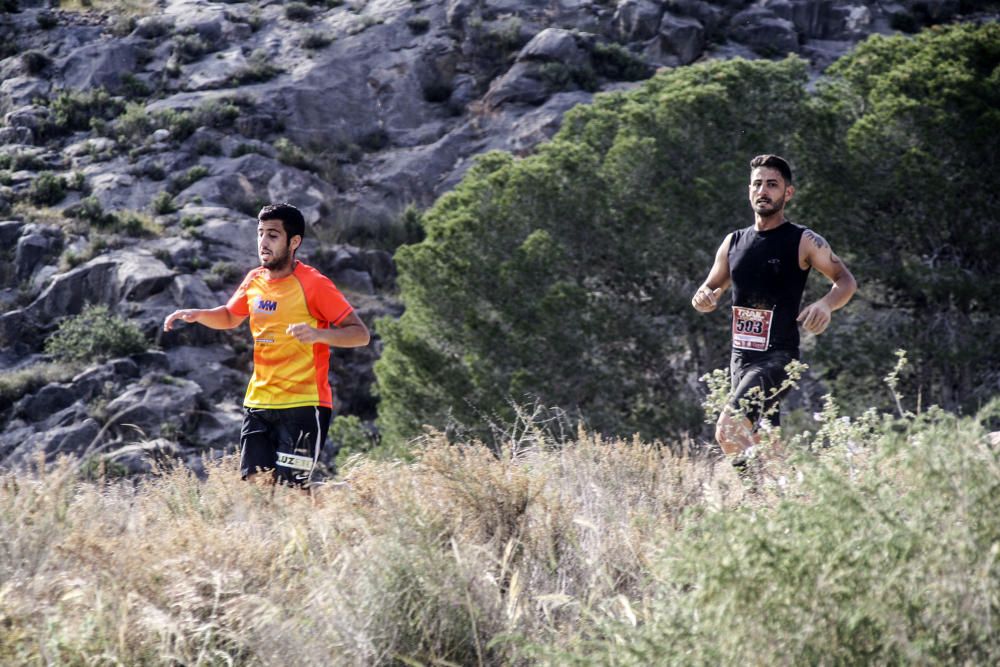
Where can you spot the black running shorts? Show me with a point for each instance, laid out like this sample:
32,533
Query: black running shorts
285,442
765,370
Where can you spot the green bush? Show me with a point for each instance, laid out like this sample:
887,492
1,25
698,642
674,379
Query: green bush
298,11
257,70
95,334
89,210
188,178
885,555
569,272
893,116
73,111
47,189
315,39
163,204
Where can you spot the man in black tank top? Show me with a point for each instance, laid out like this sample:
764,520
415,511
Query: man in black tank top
767,265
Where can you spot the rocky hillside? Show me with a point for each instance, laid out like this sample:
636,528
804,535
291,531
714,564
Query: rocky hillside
140,138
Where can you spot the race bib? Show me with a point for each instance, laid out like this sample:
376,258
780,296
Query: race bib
751,328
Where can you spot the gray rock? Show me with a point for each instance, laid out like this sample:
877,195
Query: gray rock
101,64
21,91
45,402
34,117
32,248
220,427
555,45
637,20
522,84
139,458
74,439
354,280
189,291
684,37
148,408
16,135
764,32
118,276
100,379
10,230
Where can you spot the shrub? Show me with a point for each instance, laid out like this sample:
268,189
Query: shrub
35,62
188,178
73,111
257,70
614,61
95,334
47,189
315,39
298,11
89,210
16,383
163,204
190,47
418,25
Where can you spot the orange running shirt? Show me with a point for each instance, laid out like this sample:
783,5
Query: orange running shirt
286,372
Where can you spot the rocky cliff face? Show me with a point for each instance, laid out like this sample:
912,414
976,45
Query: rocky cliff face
136,148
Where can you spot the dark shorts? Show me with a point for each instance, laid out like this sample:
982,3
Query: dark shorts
765,370
286,442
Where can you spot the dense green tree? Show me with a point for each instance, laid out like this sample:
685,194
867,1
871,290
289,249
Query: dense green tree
565,277
903,161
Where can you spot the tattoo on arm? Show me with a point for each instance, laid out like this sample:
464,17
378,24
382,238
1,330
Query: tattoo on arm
817,240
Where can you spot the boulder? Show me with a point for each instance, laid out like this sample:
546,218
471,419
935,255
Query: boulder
130,274
142,457
683,37
45,402
74,439
157,406
10,231
555,45
21,91
101,64
34,245
33,116
765,33
637,20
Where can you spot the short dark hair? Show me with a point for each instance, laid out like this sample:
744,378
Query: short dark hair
291,218
774,162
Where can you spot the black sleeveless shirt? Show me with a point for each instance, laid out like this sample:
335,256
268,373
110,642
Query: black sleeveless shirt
764,267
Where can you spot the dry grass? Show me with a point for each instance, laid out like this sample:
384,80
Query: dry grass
429,560
587,552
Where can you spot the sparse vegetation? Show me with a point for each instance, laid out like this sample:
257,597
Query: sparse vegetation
15,384
551,551
73,111
298,11
257,70
188,178
315,39
163,204
94,334
47,189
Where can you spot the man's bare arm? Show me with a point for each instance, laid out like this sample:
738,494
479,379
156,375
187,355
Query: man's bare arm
213,318
351,332
814,251
706,297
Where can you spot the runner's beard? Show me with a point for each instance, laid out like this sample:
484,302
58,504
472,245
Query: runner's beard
774,207
278,262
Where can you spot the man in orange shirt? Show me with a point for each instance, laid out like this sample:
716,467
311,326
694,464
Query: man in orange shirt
296,315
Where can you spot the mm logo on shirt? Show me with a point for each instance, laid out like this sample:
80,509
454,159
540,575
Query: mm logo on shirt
265,305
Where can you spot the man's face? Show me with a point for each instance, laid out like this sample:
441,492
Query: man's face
768,191
273,246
